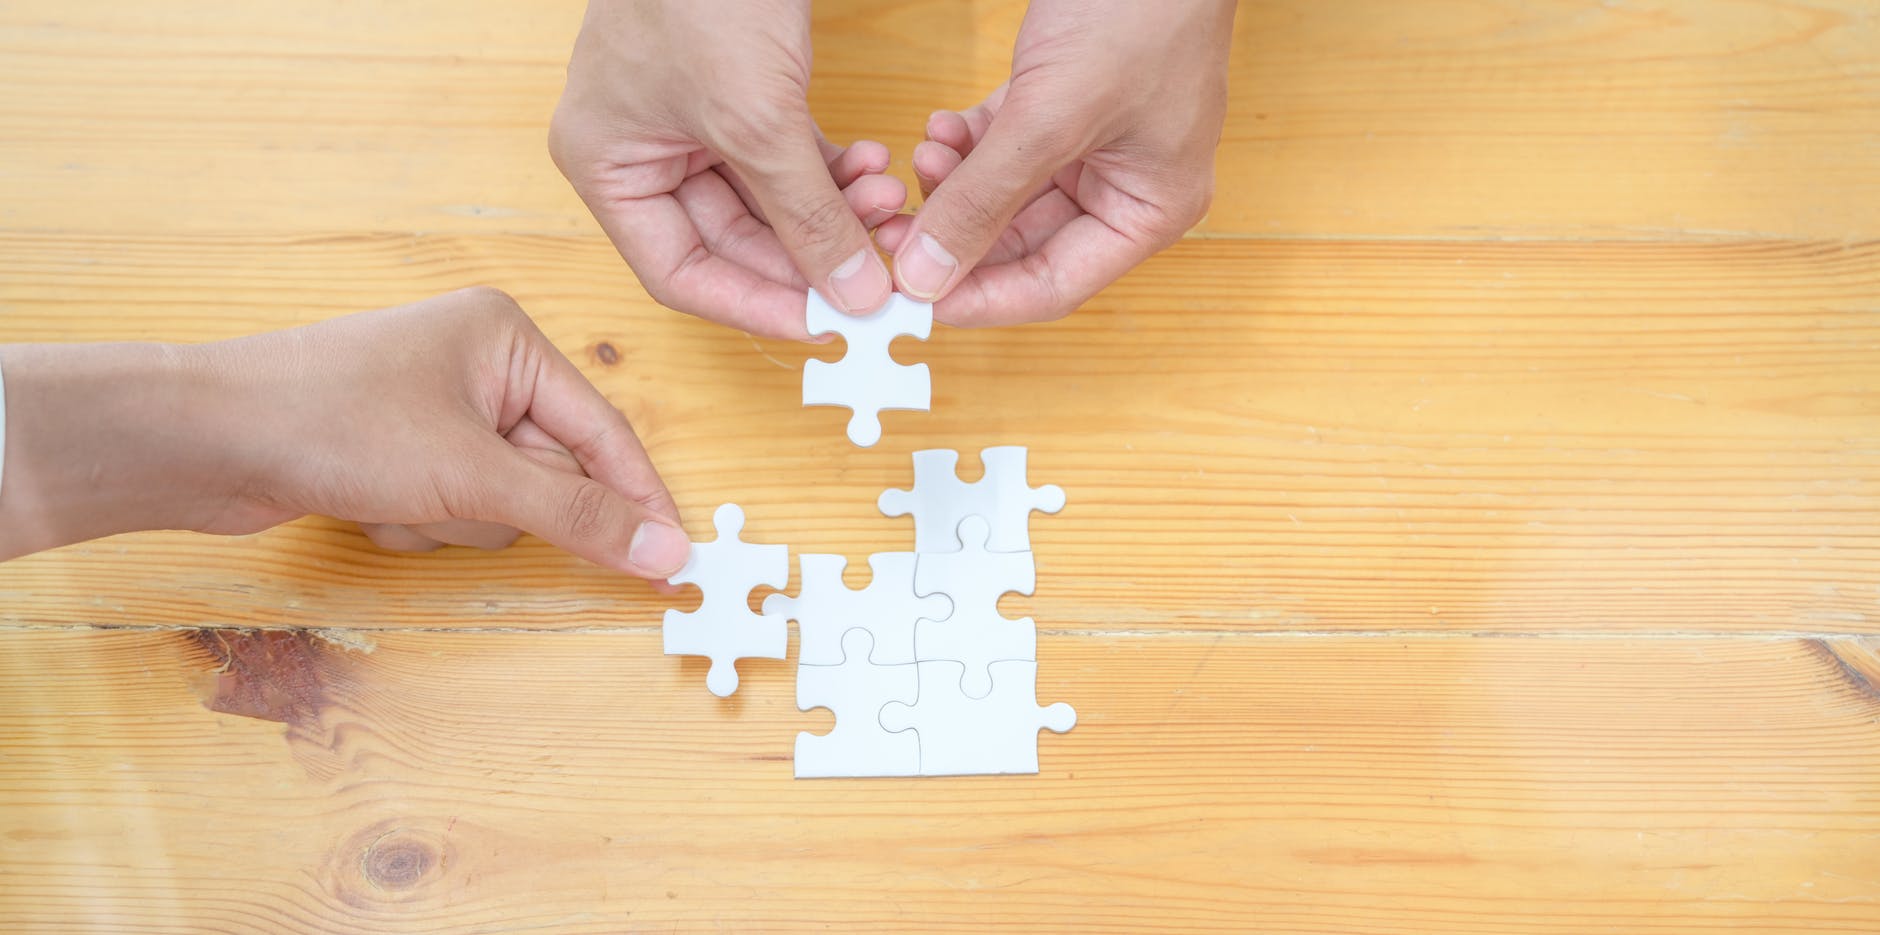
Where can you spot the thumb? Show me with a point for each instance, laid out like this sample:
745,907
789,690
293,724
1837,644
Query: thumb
580,515
968,211
791,182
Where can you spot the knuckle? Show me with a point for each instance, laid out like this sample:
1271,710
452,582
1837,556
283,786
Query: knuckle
584,515
1198,197
819,224
488,300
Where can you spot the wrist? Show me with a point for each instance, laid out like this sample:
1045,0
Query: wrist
107,438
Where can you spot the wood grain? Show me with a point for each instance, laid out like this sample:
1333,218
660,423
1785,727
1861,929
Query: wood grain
1474,525
1563,118
583,783
1486,437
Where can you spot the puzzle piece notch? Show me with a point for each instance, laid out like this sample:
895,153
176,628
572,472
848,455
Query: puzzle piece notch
961,736
855,691
974,579
825,608
723,628
939,500
867,379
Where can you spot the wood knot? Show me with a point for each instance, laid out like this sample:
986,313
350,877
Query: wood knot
395,862
607,354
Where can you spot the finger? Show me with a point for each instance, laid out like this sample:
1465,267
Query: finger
966,214
728,229
473,533
949,129
1033,227
580,515
537,445
534,441
864,157
736,182
791,183
893,232
861,164
395,537
667,252
933,162
572,412
875,198
1064,272
962,130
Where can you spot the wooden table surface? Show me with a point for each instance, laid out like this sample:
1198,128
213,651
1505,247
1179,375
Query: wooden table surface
1474,525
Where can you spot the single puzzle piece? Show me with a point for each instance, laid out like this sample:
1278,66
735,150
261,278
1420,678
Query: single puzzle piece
961,736
867,379
940,500
855,691
723,627
974,580
825,608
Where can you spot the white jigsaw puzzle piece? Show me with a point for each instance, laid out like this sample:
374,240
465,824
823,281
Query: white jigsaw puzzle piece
855,691
825,608
940,500
723,627
974,580
961,736
867,379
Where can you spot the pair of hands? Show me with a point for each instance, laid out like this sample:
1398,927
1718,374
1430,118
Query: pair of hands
686,129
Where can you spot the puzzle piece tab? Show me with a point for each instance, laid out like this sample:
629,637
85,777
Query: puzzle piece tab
825,608
867,379
974,580
940,500
723,627
961,736
855,691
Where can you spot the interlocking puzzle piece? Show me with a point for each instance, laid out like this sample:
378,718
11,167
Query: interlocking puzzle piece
974,580
961,736
855,691
825,608
723,627
940,500
867,379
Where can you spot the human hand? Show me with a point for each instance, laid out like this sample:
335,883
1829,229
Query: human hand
685,127
1098,152
449,420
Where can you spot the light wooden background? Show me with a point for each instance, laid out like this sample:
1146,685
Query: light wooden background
1474,526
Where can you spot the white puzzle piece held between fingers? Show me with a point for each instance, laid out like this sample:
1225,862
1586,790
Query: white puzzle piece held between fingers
974,580
867,379
855,691
825,608
723,628
961,736
940,500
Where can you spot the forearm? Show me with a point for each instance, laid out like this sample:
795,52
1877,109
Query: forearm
103,439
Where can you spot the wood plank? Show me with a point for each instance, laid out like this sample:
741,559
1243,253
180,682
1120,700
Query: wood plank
1495,437
1499,118
583,783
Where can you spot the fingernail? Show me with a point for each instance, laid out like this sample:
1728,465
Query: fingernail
926,268
860,283
658,549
